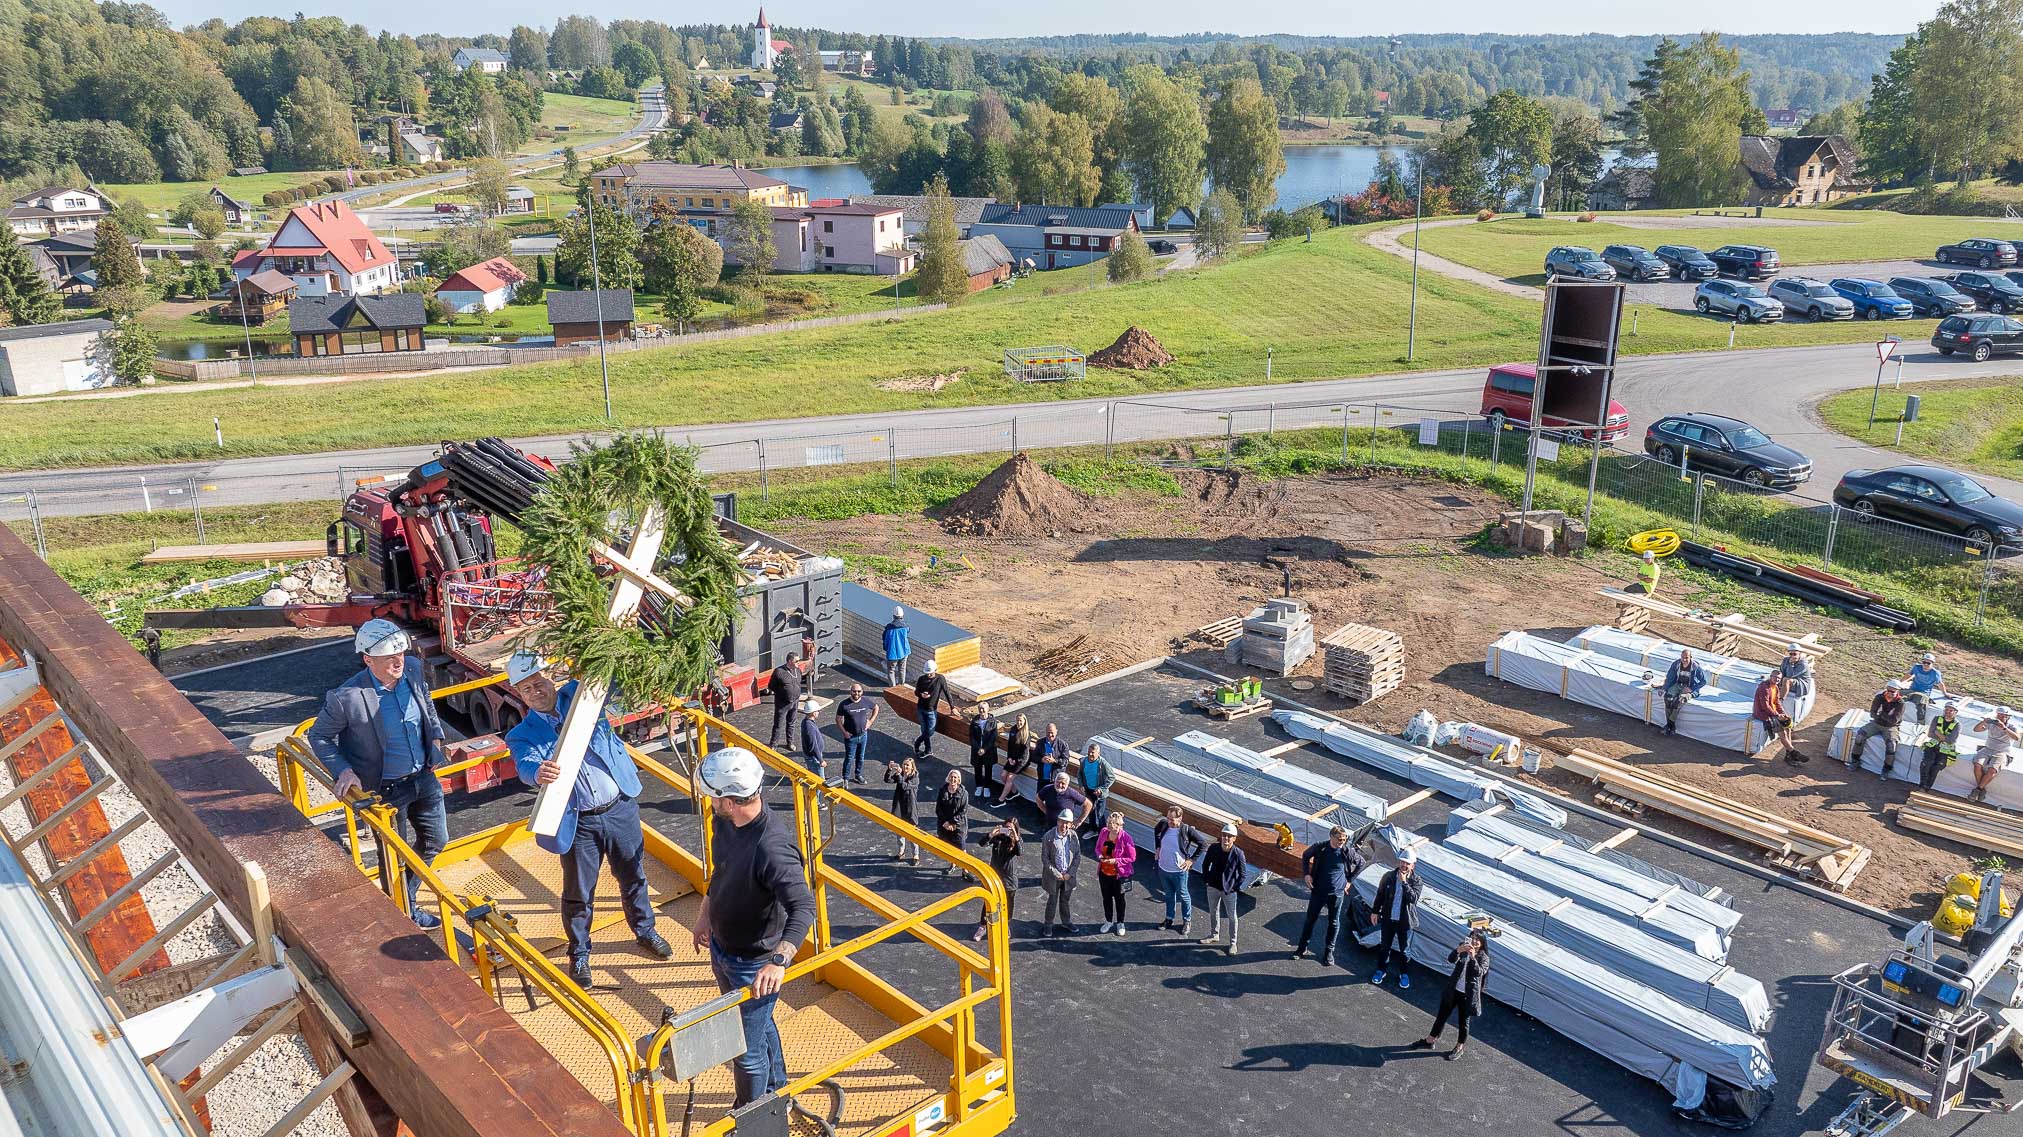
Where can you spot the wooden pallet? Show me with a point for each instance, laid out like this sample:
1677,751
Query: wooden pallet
1362,663
1230,714
1974,825
1829,859
1221,632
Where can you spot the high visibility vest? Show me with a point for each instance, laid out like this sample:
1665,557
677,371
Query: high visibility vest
1647,574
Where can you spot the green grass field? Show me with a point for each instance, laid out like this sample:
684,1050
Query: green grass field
1972,424
579,121
1328,308
160,197
1515,247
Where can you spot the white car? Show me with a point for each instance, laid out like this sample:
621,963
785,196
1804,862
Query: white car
1747,303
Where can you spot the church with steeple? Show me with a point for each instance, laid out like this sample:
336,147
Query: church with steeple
766,50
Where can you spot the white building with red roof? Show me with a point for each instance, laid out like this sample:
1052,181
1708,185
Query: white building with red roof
483,287
326,250
766,50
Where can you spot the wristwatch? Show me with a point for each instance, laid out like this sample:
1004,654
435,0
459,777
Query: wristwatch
778,958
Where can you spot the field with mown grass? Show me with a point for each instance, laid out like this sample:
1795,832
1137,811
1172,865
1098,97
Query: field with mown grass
160,197
1515,247
1327,308
1968,424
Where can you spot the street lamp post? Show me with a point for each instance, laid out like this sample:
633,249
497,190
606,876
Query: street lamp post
1418,208
597,298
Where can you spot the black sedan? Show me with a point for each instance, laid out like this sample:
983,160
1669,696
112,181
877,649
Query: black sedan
1934,498
1931,297
1985,252
1979,336
1686,262
1991,290
1728,447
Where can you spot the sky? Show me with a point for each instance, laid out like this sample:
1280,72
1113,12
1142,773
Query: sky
1060,17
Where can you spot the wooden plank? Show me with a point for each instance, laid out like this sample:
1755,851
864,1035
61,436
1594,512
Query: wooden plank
1613,840
240,551
445,1057
1408,801
1764,637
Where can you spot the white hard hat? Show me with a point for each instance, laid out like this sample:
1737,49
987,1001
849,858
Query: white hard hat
1406,856
1065,815
931,667
1928,657
523,665
1793,646
808,704
381,637
1898,684
1649,555
1229,829
898,610
730,772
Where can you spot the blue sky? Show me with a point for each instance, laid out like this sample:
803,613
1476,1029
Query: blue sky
1053,17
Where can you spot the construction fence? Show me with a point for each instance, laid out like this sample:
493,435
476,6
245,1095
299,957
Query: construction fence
1903,562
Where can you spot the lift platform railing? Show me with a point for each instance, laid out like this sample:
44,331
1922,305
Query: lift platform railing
979,1099
1896,1049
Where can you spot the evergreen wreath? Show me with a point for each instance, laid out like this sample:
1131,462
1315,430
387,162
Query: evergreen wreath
600,495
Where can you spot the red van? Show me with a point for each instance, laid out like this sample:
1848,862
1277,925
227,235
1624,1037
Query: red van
1507,396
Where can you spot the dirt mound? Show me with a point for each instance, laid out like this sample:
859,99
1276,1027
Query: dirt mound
1135,350
1018,499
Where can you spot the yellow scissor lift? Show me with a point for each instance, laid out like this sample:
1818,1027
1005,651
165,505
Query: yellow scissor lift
895,1066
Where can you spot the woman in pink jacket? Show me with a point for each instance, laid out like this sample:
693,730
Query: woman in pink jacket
1116,855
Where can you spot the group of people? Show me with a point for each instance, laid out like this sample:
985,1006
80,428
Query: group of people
1921,687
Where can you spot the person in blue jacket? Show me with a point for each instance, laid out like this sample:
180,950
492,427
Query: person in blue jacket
898,645
602,821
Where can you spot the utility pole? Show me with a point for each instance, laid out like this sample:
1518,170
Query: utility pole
597,298
1418,210
239,288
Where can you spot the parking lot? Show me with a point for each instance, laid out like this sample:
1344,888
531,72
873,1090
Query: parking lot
1679,294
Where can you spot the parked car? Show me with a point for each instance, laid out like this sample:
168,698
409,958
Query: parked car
1872,299
1811,298
1982,252
1990,290
455,207
1930,297
1686,262
1160,246
1745,302
1728,447
1747,262
1935,498
1978,336
1635,263
1507,396
2015,278
1577,262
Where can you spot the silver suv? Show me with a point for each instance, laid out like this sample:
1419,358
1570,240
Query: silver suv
1811,298
1748,303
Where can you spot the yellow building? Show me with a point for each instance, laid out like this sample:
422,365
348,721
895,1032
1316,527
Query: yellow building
700,193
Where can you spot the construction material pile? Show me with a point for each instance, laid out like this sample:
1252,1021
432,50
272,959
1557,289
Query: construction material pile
1362,662
1957,779
1807,584
1415,764
1018,499
865,614
764,562
1277,637
1083,657
320,581
1135,350
1971,825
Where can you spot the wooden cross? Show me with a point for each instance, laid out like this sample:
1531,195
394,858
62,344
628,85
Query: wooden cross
586,710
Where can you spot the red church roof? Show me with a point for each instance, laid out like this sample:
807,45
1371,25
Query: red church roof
762,18
335,230
488,276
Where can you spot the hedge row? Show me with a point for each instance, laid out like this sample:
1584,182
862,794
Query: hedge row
337,183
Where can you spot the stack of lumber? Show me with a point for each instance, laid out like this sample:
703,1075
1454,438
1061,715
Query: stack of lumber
1080,658
1732,674
764,562
1277,637
1786,844
1362,662
975,683
1809,585
1726,634
865,614
241,551
1973,825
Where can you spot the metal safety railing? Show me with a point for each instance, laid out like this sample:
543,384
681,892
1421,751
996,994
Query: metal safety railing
979,1097
1899,1050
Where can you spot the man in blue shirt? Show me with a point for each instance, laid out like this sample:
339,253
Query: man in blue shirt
378,733
1926,680
898,645
602,820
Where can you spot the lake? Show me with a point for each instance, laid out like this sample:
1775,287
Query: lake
1311,173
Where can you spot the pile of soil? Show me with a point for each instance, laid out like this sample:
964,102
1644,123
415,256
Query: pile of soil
1135,350
1018,499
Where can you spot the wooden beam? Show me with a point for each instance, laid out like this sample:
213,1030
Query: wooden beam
445,1057
1408,801
1618,838
241,551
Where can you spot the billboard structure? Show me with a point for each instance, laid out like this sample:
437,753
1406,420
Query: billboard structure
1576,369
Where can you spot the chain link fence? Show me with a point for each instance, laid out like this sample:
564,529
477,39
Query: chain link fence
1802,527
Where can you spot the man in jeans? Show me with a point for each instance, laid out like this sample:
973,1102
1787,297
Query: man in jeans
1097,778
1683,680
1885,711
854,717
1177,845
1222,869
1328,868
898,645
785,688
1397,913
929,690
1060,856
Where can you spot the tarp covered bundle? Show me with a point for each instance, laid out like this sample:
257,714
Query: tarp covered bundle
1612,865
1716,716
1415,764
1245,765
2005,792
1732,674
1227,788
1616,1016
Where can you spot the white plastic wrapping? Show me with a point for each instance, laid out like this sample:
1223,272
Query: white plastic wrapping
1715,716
1244,760
1648,884
1415,764
1730,673
2005,792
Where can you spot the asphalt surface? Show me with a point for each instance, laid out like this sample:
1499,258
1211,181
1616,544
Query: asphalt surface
1151,1033
1775,388
1679,294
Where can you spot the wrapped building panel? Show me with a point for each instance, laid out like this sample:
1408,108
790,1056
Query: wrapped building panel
1415,764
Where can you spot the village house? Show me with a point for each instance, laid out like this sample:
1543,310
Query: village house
1055,236
484,287
1624,187
914,207
236,212
839,236
416,148
45,359
1807,169
489,60
71,254
327,250
861,63
576,316
356,325
258,298
702,195
986,262
56,209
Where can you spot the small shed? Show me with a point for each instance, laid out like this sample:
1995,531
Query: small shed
519,199
356,325
576,315
483,287
1181,218
258,298
44,359
986,261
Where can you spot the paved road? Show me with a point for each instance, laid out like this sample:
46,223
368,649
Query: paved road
650,119
1773,387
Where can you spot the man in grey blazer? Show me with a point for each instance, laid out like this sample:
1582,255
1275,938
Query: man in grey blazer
379,732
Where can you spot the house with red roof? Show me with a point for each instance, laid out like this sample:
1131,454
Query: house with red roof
326,250
483,287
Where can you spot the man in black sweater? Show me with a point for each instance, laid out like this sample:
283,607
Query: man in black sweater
785,688
755,913
929,689
1328,867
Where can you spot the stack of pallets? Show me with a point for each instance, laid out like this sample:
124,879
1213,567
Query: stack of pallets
1956,820
1277,637
1362,662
